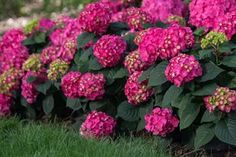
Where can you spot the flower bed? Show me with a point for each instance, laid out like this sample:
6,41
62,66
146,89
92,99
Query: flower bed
122,67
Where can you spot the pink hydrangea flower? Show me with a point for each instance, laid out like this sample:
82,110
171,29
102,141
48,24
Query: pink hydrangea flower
162,9
133,62
49,54
28,89
91,86
95,18
139,35
5,104
70,84
182,69
136,18
176,38
161,121
119,16
214,14
12,39
46,24
114,5
57,36
223,98
109,50
97,125
149,45
135,91
67,50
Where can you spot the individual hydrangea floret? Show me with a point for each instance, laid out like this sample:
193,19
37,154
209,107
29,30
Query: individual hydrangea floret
133,62
136,18
5,104
213,39
10,80
162,9
28,89
161,121
223,99
182,69
135,91
97,125
95,18
109,49
33,63
57,69
91,86
138,36
70,84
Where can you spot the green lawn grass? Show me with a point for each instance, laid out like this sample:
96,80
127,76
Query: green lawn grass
41,140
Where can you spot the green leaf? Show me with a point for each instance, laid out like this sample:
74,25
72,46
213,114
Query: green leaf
157,75
225,131
129,38
48,104
94,64
85,38
40,38
206,53
145,75
128,112
229,61
209,117
43,88
141,124
121,73
211,71
74,104
199,31
204,135
31,79
171,95
188,113
205,90
161,24
95,105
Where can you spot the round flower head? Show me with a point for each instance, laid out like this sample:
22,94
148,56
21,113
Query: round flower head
28,89
45,24
149,45
162,9
33,63
214,14
10,80
135,91
91,86
133,62
109,49
97,125
49,54
5,104
182,69
175,39
95,18
223,98
161,121
213,39
119,17
136,18
57,69
70,84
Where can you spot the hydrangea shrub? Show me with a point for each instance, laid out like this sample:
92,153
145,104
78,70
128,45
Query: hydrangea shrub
121,67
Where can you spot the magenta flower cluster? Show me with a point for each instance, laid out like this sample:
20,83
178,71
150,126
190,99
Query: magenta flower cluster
97,125
135,91
161,121
157,43
182,69
109,49
219,15
88,85
95,18
223,99
162,9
